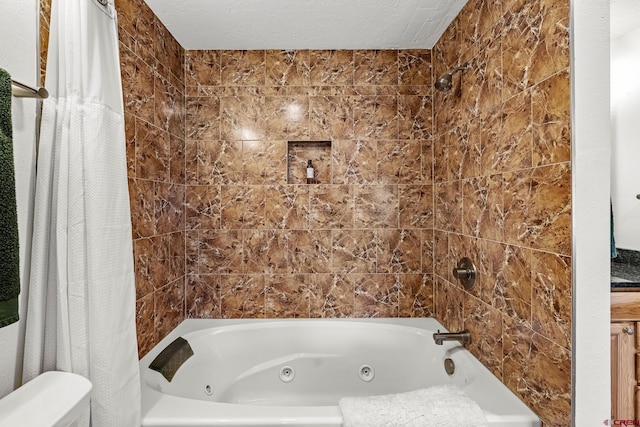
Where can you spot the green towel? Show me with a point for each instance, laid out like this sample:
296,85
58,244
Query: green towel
9,253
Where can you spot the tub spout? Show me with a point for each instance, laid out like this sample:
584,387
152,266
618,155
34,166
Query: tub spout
463,337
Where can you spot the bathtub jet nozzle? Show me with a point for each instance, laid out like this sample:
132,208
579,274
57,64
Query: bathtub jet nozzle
464,337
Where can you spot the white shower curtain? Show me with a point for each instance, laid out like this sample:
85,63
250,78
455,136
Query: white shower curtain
81,312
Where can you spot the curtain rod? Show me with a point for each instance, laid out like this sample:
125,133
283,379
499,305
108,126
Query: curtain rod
21,90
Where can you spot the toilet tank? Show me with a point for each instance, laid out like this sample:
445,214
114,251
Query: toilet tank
52,399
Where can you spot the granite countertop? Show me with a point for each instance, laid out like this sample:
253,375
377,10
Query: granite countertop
625,276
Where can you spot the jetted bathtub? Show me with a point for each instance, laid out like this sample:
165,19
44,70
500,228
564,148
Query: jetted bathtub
263,372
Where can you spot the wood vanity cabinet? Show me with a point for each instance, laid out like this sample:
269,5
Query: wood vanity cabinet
625,355
623,370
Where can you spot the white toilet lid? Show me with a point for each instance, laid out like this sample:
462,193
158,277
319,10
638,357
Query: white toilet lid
51,399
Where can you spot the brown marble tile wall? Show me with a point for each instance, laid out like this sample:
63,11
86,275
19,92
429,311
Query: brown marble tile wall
43,32
502,188
358,242
153,86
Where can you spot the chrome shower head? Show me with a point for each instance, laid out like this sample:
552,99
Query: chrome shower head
445,81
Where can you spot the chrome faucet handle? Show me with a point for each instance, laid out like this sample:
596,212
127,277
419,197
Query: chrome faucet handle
465,272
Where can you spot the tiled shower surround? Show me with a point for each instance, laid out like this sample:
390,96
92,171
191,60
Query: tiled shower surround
415,179
502,194
351,245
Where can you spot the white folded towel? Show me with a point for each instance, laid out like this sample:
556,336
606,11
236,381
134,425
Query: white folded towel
430,407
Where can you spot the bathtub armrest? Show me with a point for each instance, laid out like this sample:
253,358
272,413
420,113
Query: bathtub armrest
171,358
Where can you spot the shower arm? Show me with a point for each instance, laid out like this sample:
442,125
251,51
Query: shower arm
443,83
462,68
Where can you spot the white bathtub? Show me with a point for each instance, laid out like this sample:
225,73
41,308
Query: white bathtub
262,372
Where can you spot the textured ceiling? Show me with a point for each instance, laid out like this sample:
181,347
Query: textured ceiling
306,24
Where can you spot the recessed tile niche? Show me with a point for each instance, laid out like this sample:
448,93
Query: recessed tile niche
300,152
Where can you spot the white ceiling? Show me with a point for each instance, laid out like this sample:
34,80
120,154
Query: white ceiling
306,24
625,16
